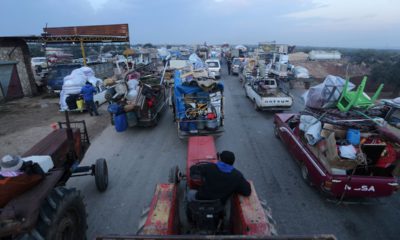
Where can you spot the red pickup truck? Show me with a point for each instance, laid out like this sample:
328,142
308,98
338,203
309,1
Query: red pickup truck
335,175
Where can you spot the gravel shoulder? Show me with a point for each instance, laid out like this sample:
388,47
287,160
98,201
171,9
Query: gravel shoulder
25,121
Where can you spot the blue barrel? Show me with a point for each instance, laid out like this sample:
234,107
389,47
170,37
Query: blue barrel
121,122
353,136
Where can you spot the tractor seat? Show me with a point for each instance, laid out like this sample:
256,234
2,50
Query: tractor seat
206,214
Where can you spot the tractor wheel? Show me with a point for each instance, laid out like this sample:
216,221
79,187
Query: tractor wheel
61,217
173,176
101,174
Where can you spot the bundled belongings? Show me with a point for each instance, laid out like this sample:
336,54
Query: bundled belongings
326,94
359,151
141,99
73,84
198,105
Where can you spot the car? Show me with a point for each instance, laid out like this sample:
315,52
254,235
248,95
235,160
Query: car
56,76
236,64
266,95
370,175
214,67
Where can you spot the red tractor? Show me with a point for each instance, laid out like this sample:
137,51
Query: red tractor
170,216
39,206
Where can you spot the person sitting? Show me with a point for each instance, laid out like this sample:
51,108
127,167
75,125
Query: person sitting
10,166
220,180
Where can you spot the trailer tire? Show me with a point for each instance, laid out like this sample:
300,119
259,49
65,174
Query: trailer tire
61,216
101,174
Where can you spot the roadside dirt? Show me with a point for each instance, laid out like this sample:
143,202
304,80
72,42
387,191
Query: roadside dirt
24,122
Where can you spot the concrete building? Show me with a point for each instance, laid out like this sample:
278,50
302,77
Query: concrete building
14,50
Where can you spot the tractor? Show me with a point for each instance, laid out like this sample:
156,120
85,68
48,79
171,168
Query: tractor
171,216
39,206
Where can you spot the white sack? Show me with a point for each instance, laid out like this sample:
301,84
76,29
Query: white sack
311,127
348,151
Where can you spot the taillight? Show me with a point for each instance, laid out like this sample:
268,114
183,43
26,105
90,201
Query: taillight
328,185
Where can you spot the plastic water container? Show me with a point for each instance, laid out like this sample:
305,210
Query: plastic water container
353,136
121,122
79,104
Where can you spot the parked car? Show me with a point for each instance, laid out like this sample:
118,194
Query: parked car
214,67
371,174
56,76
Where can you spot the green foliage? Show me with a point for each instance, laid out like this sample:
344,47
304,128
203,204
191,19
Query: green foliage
388,72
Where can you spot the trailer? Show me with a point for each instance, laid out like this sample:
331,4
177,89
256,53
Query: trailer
198,109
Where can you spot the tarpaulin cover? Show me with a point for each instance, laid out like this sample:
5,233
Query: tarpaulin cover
196,61
326,94
180,90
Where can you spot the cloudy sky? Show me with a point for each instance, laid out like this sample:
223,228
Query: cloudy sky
329,23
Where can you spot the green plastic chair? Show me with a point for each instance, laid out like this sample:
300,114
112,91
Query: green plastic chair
358,98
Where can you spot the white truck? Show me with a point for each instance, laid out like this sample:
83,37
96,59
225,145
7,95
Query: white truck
266,95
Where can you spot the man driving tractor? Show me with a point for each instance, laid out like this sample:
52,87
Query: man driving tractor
220,180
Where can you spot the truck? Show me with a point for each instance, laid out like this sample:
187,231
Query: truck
198,106
346,158
266,94
151,98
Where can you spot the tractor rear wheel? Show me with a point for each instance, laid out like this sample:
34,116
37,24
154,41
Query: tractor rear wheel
62,216
101,174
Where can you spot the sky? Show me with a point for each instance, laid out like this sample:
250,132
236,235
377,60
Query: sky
323,23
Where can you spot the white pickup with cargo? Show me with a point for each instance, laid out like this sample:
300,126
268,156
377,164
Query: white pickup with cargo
266,95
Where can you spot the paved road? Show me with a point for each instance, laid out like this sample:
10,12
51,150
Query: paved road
140,158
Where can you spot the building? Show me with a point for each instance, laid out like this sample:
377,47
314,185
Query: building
14,52
324,55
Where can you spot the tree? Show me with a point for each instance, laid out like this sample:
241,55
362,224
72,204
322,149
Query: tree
388,72
148,45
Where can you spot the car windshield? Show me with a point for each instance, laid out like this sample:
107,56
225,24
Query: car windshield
213,64
236,61
39,60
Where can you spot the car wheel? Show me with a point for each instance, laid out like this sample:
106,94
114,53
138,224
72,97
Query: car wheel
305,174
276,131
255,105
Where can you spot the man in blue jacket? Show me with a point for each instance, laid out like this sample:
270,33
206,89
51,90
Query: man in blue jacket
220,180
88,91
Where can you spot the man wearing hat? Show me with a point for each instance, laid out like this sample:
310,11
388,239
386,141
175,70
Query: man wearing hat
220,180
10,166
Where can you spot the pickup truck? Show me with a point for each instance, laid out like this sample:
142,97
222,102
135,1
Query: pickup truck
266,95
370,175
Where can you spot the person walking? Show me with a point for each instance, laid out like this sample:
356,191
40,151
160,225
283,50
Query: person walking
228,63
88,91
